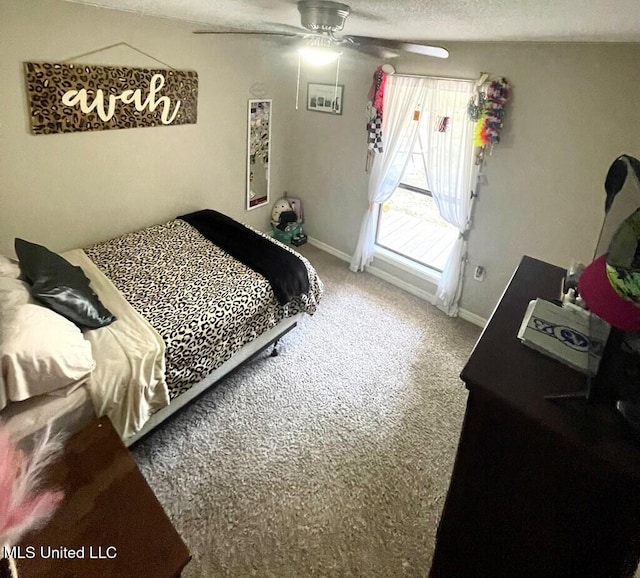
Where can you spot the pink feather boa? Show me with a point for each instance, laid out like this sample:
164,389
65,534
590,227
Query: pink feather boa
23,507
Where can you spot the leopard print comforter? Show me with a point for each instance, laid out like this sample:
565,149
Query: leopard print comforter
203,303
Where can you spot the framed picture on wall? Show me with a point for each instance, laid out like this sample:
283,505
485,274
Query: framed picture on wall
325,98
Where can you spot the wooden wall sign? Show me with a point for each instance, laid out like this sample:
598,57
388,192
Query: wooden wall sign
73,97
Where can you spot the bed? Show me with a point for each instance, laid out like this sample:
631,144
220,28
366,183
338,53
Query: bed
189,305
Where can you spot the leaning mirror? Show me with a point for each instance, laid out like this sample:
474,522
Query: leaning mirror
258,153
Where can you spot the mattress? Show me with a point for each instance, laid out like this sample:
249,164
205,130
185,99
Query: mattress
203,303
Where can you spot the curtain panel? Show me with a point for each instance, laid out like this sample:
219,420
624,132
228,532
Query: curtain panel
399,129
451,174
448,161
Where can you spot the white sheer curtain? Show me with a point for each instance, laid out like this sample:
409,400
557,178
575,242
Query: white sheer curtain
448,160
451,174
402,97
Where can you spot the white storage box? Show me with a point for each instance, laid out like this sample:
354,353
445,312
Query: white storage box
569,334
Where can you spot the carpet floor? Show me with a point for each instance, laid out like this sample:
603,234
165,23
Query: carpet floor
330,460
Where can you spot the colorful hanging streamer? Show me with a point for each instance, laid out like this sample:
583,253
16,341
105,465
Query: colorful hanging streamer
487,127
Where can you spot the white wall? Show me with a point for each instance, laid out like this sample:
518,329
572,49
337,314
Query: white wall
69,190
574,110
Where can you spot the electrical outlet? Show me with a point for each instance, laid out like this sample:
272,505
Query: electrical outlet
479,273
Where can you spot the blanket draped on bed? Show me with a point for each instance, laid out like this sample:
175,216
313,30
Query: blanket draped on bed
285,272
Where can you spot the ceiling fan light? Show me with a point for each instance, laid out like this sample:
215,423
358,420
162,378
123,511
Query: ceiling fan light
319,56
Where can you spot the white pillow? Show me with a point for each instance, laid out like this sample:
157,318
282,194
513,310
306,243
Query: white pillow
40,351
9,267
13,294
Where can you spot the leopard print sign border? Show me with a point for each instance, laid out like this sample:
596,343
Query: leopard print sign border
73,97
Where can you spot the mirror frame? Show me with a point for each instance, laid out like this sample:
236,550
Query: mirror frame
253,104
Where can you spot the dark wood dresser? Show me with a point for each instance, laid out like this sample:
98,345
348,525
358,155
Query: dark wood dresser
540,488
110,523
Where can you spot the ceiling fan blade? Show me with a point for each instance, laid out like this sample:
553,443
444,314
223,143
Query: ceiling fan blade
424,49
394,45
372,50
253,32
282,27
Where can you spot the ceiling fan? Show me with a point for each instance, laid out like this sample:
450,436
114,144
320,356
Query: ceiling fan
321,19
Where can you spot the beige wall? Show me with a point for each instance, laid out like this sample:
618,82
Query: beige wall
70,190
329,153
574,110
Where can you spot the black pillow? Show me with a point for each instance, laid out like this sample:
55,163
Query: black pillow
61,286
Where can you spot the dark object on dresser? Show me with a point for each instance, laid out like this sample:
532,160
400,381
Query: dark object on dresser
539,487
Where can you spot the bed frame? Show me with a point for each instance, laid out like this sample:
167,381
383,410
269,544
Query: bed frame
245,354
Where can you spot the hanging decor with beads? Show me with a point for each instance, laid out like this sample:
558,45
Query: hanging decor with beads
476,105
487,110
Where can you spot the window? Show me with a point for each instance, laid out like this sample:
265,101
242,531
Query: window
409,222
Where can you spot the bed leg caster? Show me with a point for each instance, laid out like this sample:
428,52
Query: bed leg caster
274,351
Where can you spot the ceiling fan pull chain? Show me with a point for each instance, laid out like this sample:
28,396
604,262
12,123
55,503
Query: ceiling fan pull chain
298,82
337,105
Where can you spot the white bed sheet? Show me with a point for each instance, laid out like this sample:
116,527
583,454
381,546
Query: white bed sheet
128,383
64,413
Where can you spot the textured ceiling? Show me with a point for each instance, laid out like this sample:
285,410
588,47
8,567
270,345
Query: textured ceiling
468,20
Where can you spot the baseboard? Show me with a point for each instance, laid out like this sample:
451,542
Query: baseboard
408,287
472,318
329,249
